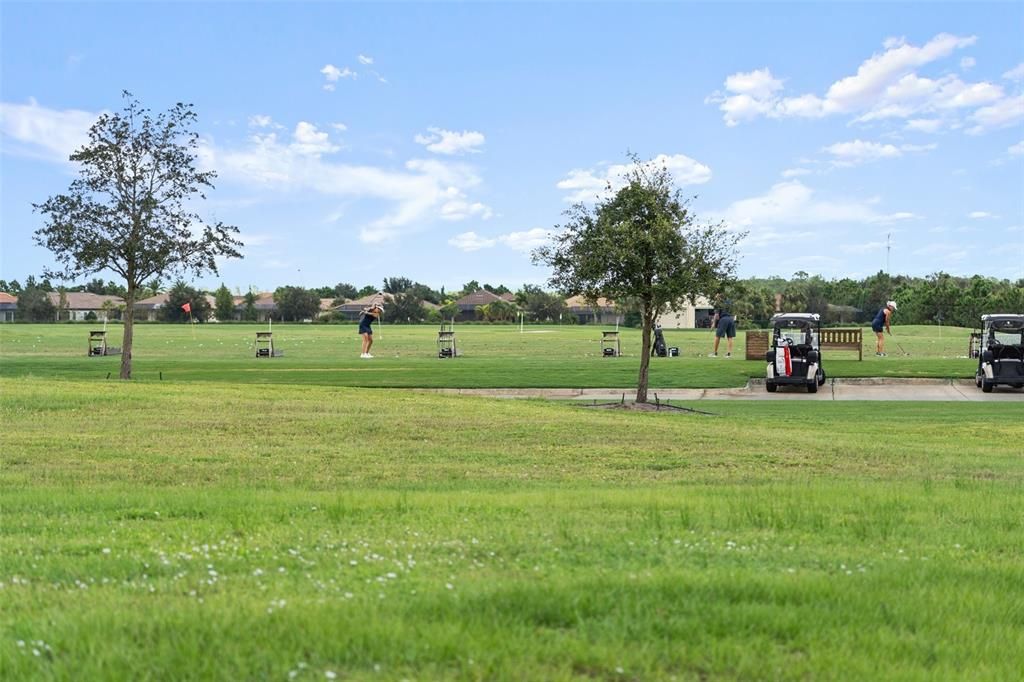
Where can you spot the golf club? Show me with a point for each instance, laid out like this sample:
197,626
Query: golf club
899,345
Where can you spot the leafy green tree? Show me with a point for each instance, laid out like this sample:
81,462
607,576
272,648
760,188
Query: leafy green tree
249,312
180,294
224,304
368,290
406,307
396,285
129,210
296,304
540,305
468,288
35,306
642,243
498,290
13,287
449,311
344,290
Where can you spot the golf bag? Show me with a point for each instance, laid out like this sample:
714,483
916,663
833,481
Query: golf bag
659,348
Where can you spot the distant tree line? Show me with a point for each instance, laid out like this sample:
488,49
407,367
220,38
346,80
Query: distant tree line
939,298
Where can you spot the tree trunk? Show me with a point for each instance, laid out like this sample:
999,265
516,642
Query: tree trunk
129,330
645,357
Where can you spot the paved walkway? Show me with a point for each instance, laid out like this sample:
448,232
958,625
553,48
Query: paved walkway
834,389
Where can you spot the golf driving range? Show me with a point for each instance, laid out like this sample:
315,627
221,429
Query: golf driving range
275,518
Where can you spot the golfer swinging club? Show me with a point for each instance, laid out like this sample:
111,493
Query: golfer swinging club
366,319
882,321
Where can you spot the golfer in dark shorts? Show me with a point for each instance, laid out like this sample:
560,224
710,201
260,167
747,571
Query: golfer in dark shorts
366,320
881,321
725,326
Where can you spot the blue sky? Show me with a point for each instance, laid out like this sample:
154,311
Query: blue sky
442,142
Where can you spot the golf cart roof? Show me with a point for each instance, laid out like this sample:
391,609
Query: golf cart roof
1003,317
792,319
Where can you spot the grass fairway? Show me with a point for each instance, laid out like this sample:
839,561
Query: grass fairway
492,357
219,530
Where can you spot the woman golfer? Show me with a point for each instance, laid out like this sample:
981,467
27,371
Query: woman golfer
369,316
881,322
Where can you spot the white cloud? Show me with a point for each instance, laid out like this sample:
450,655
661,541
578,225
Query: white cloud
309,140
1002,114
260,121
861,91
1015,74
885,86
858,249
758,84
924,125
897,217
44,133
340,127
364,60
333,74
942,252
517,241
409,197
526,241
792,203
460,209
980,215
471,241
795,172
449,142
968,63
859,151
1016,149
586,185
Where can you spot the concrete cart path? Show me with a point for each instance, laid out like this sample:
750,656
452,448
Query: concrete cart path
834,389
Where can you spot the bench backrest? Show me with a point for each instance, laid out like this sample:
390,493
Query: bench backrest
844,339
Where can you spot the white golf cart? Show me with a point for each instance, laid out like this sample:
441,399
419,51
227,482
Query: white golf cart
1001,360
795,355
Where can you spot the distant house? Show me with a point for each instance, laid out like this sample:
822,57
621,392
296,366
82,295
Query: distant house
603,313
470,302
351,310
265,306
688,316
8,306
326,307
148,309
78,305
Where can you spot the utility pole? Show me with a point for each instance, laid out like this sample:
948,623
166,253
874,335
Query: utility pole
888,249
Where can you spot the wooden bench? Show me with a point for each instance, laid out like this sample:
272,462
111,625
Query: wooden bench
844,339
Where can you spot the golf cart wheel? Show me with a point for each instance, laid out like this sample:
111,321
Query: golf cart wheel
987,386
820,376
812,387
771,387
1018,385
977,379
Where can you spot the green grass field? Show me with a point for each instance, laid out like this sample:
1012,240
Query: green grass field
406,356
209,526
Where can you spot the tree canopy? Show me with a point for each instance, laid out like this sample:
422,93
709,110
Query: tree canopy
129,211
641,243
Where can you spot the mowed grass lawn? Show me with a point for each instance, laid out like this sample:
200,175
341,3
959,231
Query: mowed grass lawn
406,356
190,530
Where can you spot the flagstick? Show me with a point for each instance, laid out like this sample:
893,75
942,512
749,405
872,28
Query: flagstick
192,323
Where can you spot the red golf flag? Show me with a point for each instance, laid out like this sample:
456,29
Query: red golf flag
187,307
